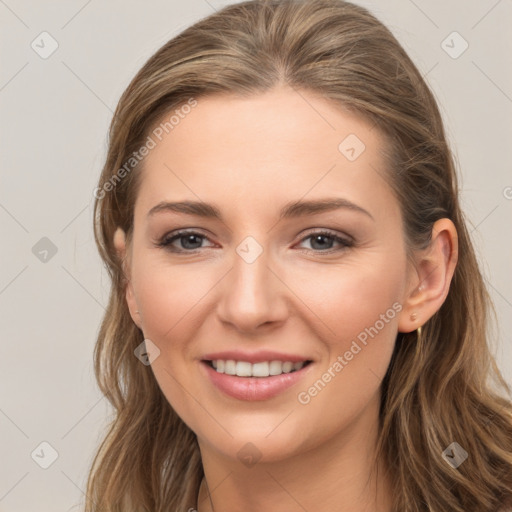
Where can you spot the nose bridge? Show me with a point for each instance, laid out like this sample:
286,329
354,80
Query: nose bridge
250,295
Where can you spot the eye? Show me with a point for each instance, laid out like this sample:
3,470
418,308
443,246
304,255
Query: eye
189,241
319,244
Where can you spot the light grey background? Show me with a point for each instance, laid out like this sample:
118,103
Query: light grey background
54,119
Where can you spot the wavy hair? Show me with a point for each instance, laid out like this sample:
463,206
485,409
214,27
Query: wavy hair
441,387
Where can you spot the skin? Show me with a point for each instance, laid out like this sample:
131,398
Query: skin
250,156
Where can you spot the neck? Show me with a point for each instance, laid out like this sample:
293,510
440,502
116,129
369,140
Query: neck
339,474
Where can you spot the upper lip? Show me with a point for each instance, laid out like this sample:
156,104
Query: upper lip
253,357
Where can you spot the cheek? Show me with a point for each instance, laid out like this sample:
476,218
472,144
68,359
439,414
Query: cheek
170,297
356,311
348,298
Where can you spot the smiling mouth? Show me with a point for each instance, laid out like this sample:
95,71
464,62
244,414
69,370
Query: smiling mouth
262,369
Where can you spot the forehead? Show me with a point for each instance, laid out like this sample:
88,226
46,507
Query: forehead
276,146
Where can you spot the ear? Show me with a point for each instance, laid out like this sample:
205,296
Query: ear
430,281
122,253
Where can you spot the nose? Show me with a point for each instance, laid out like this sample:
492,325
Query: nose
252,296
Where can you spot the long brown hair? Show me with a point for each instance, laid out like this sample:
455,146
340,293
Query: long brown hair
440,388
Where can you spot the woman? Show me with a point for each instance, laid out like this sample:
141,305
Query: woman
297,320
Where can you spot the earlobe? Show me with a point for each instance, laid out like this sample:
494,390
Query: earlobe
434,271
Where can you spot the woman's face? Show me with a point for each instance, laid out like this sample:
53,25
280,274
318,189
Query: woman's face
273,277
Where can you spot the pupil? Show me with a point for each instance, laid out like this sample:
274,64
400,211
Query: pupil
190,238
319,237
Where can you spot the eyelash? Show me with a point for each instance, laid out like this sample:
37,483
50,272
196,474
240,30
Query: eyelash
166,241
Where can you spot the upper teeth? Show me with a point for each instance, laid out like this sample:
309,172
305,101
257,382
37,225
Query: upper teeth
263,369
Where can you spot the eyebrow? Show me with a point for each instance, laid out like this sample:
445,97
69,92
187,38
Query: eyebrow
289,210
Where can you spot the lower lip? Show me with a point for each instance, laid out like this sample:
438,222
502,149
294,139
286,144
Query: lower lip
254,388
